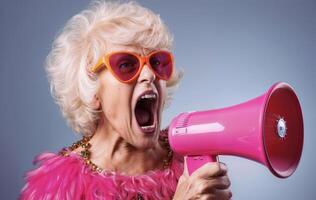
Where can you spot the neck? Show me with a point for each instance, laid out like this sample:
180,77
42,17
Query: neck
112,153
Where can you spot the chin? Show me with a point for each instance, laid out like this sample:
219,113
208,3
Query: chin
146,141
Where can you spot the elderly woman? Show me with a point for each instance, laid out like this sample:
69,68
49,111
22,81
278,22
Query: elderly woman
112,71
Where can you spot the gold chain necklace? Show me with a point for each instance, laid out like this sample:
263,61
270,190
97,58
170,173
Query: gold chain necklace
86,153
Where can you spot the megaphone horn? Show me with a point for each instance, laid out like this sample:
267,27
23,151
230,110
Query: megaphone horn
267,129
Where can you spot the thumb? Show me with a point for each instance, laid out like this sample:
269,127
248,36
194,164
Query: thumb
185,168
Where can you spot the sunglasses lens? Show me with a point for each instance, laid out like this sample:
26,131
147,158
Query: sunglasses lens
124,65
161,62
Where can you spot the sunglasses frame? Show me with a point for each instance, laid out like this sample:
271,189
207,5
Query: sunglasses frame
104,62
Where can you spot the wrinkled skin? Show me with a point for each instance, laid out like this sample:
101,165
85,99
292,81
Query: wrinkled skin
120,145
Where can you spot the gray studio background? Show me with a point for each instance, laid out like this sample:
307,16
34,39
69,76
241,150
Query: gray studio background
230,51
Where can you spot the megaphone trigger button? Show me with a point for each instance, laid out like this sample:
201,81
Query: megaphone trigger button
197,158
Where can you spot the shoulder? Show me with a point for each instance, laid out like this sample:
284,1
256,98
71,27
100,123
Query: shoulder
53,177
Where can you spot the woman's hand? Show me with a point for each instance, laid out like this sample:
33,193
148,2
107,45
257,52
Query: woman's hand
208,182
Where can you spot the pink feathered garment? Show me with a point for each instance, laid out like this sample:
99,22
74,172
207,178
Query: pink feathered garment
60,177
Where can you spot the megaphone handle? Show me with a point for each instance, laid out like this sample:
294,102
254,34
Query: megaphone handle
195,162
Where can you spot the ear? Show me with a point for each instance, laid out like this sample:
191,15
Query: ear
96,103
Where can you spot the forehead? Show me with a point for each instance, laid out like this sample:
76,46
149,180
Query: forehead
110,47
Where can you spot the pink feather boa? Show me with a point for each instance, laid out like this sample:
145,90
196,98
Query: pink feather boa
60,177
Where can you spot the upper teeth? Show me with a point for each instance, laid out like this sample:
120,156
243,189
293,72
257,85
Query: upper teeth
148,96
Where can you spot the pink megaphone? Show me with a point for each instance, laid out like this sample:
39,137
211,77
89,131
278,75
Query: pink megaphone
267,129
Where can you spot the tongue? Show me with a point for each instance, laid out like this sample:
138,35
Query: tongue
142,116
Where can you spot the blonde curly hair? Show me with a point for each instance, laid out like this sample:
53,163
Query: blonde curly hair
81,43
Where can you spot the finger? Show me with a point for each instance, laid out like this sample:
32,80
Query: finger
210,170
185,168
206,197
220,195
222,182
224,194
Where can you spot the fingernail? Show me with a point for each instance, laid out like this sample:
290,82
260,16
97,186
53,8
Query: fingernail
223,166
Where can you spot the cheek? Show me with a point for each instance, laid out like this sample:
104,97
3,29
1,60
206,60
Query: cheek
115,104
163,93
115,99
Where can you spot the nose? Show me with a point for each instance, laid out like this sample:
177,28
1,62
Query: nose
146,75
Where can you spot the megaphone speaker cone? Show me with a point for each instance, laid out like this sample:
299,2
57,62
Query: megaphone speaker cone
283,130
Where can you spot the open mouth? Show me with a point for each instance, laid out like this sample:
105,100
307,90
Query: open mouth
145,111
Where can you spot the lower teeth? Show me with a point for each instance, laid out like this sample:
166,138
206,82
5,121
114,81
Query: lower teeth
148,127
